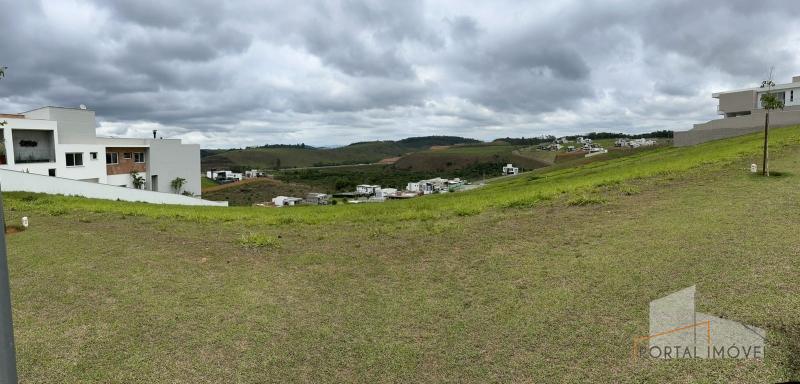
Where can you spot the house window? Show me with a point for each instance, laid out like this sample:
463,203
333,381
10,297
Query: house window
111,158
138,157
93,155
74,159
791,95
126,155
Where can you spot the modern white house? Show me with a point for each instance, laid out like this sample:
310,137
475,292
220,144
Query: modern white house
367,189
510,169
253,173
62,142
742,113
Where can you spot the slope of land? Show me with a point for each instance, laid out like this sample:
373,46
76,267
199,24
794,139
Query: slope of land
252,191
545,277
289,157
493,156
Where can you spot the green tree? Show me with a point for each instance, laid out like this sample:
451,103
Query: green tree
769,101
177,184
137,180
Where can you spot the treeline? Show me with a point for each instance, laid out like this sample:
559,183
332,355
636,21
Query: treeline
299,146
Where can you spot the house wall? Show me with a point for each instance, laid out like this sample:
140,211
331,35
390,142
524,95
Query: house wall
27,182
124,179
170,159
125,166
75,126
44,148
737,101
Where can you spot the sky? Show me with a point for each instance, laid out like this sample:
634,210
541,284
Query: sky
226,74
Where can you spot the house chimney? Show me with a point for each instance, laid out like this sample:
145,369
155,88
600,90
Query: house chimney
796,79
154,133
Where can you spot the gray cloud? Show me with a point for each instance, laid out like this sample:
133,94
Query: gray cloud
331,72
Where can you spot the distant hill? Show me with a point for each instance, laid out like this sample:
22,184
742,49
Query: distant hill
292,156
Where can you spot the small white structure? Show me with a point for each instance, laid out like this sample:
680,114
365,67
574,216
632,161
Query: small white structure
253,173
510,169
636,143
562,140
367,189
282,201
596,151
224,176
753,168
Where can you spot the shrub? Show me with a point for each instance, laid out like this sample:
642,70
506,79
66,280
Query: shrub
258,240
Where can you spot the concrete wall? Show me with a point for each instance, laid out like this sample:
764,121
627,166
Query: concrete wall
75,126
737,101
170,159
735,126
13,181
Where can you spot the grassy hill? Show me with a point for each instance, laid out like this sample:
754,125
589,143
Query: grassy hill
290,157
544,277
460,157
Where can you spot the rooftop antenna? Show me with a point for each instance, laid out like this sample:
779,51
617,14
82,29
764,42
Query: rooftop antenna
155,131
82,106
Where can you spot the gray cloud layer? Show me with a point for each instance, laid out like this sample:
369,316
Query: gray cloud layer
330,72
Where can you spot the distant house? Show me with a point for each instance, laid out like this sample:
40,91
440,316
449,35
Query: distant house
317,199
562,140
224,176
367,189
571,148
621,143
282,201
253,173
384,193
509,169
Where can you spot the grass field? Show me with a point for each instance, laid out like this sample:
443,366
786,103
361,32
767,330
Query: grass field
538,278
251,191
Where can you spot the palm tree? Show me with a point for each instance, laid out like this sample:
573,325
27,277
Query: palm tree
769,101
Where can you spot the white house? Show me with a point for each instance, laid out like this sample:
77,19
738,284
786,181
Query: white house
253,173
367,189
509,169
317,198
224,175
62,142
282,201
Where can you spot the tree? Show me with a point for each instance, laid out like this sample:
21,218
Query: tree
177,183
137,180
769,101
2,75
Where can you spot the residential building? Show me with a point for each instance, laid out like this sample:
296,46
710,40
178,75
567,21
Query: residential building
62,142
224,176
510,169
742,113
317,199
253,173
367,189
283,201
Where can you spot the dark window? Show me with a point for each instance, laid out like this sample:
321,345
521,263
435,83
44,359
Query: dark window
126,155
51,172
791,95
111,158
74,159
93,155
138,157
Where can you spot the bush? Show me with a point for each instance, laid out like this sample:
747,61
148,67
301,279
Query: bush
259,240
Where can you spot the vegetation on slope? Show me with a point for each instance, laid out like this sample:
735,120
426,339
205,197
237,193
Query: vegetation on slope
275,157
252,191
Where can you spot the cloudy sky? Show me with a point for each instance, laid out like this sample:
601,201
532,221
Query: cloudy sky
238,73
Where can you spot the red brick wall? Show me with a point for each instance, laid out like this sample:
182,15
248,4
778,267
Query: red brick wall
125,165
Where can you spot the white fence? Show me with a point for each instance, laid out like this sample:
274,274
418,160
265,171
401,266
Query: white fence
15,181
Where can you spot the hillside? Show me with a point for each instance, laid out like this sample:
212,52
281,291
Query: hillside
543,277
290,157
252,191
492,156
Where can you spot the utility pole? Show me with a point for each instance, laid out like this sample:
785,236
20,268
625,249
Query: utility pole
8,359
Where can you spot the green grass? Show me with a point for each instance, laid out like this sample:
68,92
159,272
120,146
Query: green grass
206,182
509,283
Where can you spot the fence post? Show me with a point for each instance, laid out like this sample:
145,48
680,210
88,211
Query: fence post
8,360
